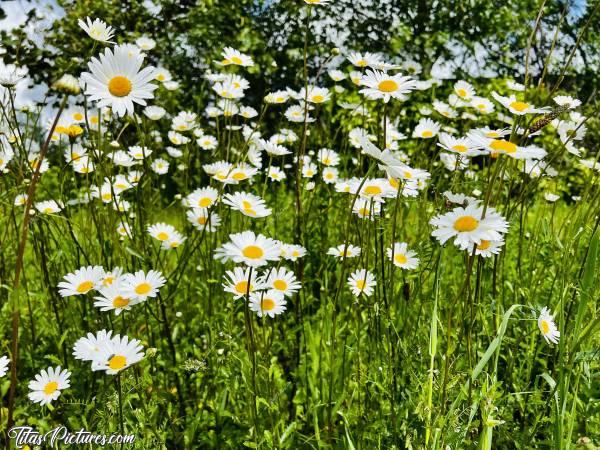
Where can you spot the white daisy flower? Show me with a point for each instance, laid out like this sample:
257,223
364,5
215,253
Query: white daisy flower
340,251
548,327
234,57
281,280
330,175
516,106
160,166
48,385
154,112
236,282
81,281
366,208
48,207
328,157
144,43
10,74
501,146
203,197
4,361
362,281
250,249
292,252
97,30
248,204
118,354
381,85
140,286
465,91
514,86
488,249
566,100
482,105
467,226
202,220
276,174
402,257
116,80
461,146
269,303
426,129
175,241
88,347
110,277
364,59
113,297
161,231
315,94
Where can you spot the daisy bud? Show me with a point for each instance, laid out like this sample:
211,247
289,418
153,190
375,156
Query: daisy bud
67,84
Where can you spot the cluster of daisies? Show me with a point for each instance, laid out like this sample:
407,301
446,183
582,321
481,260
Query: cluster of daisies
266,291
107,353
116,291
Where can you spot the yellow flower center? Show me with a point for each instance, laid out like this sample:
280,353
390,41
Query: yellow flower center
85,287
253,252
162,236
466,223
119,86
400,258
120,302
483,245
501,145
280,285
50,387
143,288
519,106
204,202
387,86
267,304
117,362
242,287
372,190
74,130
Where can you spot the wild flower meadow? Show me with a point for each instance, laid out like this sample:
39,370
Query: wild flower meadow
358,256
